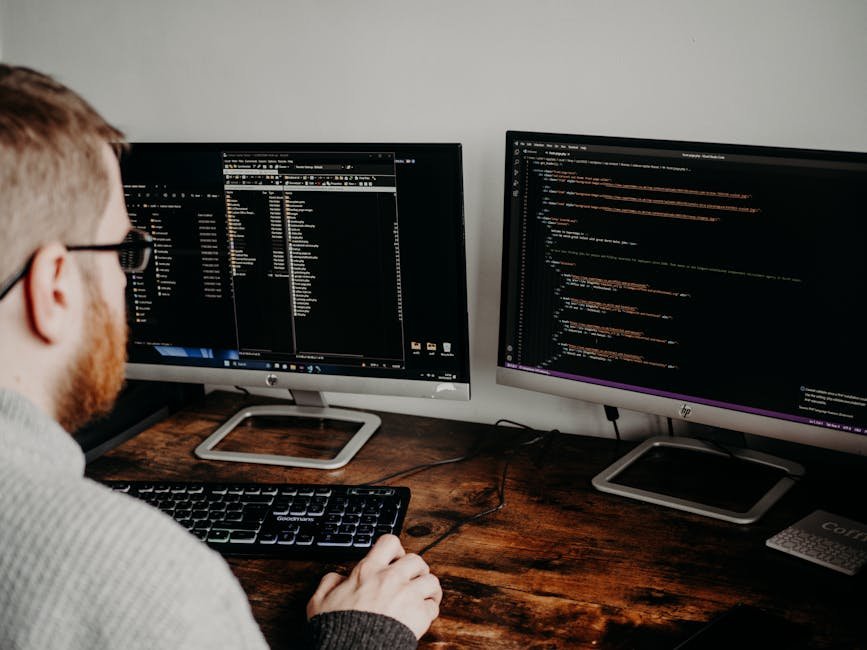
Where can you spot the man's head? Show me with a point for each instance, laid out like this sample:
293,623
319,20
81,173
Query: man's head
64,325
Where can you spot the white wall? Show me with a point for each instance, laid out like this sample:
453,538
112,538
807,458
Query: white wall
2,25
772,72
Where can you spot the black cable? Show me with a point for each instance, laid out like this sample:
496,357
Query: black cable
243,390
670,428
501,489
613,414
512,422
501,493
422,467
474,453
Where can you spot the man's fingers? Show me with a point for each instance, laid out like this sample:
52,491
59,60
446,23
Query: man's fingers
326,586
386,550
329,581
410,566
428,587
432,608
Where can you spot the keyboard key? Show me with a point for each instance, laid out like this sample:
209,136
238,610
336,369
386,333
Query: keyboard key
242,536
335,539
257,498
255,513
235,525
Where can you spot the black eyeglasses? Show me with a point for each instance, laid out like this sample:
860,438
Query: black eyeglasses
133,254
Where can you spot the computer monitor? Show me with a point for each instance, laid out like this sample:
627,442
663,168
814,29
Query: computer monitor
717,284
312,267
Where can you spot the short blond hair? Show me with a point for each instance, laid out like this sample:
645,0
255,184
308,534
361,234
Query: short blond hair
54,185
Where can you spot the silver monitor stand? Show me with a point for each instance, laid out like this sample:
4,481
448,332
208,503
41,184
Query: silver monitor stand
308,404
604,481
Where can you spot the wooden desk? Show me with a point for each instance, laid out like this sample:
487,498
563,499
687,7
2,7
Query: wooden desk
561,566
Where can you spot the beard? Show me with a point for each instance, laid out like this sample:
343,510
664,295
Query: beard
96,374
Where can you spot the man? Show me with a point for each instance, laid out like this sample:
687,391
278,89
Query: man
80,565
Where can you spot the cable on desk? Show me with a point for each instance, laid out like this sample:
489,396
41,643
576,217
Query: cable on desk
501,492
474,452
501,488
420,468
242,389
477,451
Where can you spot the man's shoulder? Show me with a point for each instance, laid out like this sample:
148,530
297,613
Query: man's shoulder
78,520
76,557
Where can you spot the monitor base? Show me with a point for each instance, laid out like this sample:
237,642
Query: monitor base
308,404
605,480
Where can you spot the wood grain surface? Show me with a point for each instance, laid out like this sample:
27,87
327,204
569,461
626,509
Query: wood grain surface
560,566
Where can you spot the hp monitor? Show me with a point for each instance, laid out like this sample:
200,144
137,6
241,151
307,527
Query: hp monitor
312,267
717,284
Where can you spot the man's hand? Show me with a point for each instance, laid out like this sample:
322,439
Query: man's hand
387,581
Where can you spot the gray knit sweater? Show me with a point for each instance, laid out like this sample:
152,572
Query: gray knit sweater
84,567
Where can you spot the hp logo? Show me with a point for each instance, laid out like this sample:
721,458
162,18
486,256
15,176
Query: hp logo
271,380
685,410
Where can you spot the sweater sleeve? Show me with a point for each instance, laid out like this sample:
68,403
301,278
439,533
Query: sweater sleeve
99,570
359,631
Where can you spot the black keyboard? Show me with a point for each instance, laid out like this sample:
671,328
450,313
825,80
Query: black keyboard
331,522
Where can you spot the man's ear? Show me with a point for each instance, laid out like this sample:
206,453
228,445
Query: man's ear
50,293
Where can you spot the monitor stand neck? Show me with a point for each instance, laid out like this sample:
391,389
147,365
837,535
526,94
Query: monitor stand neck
308,404
311,398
